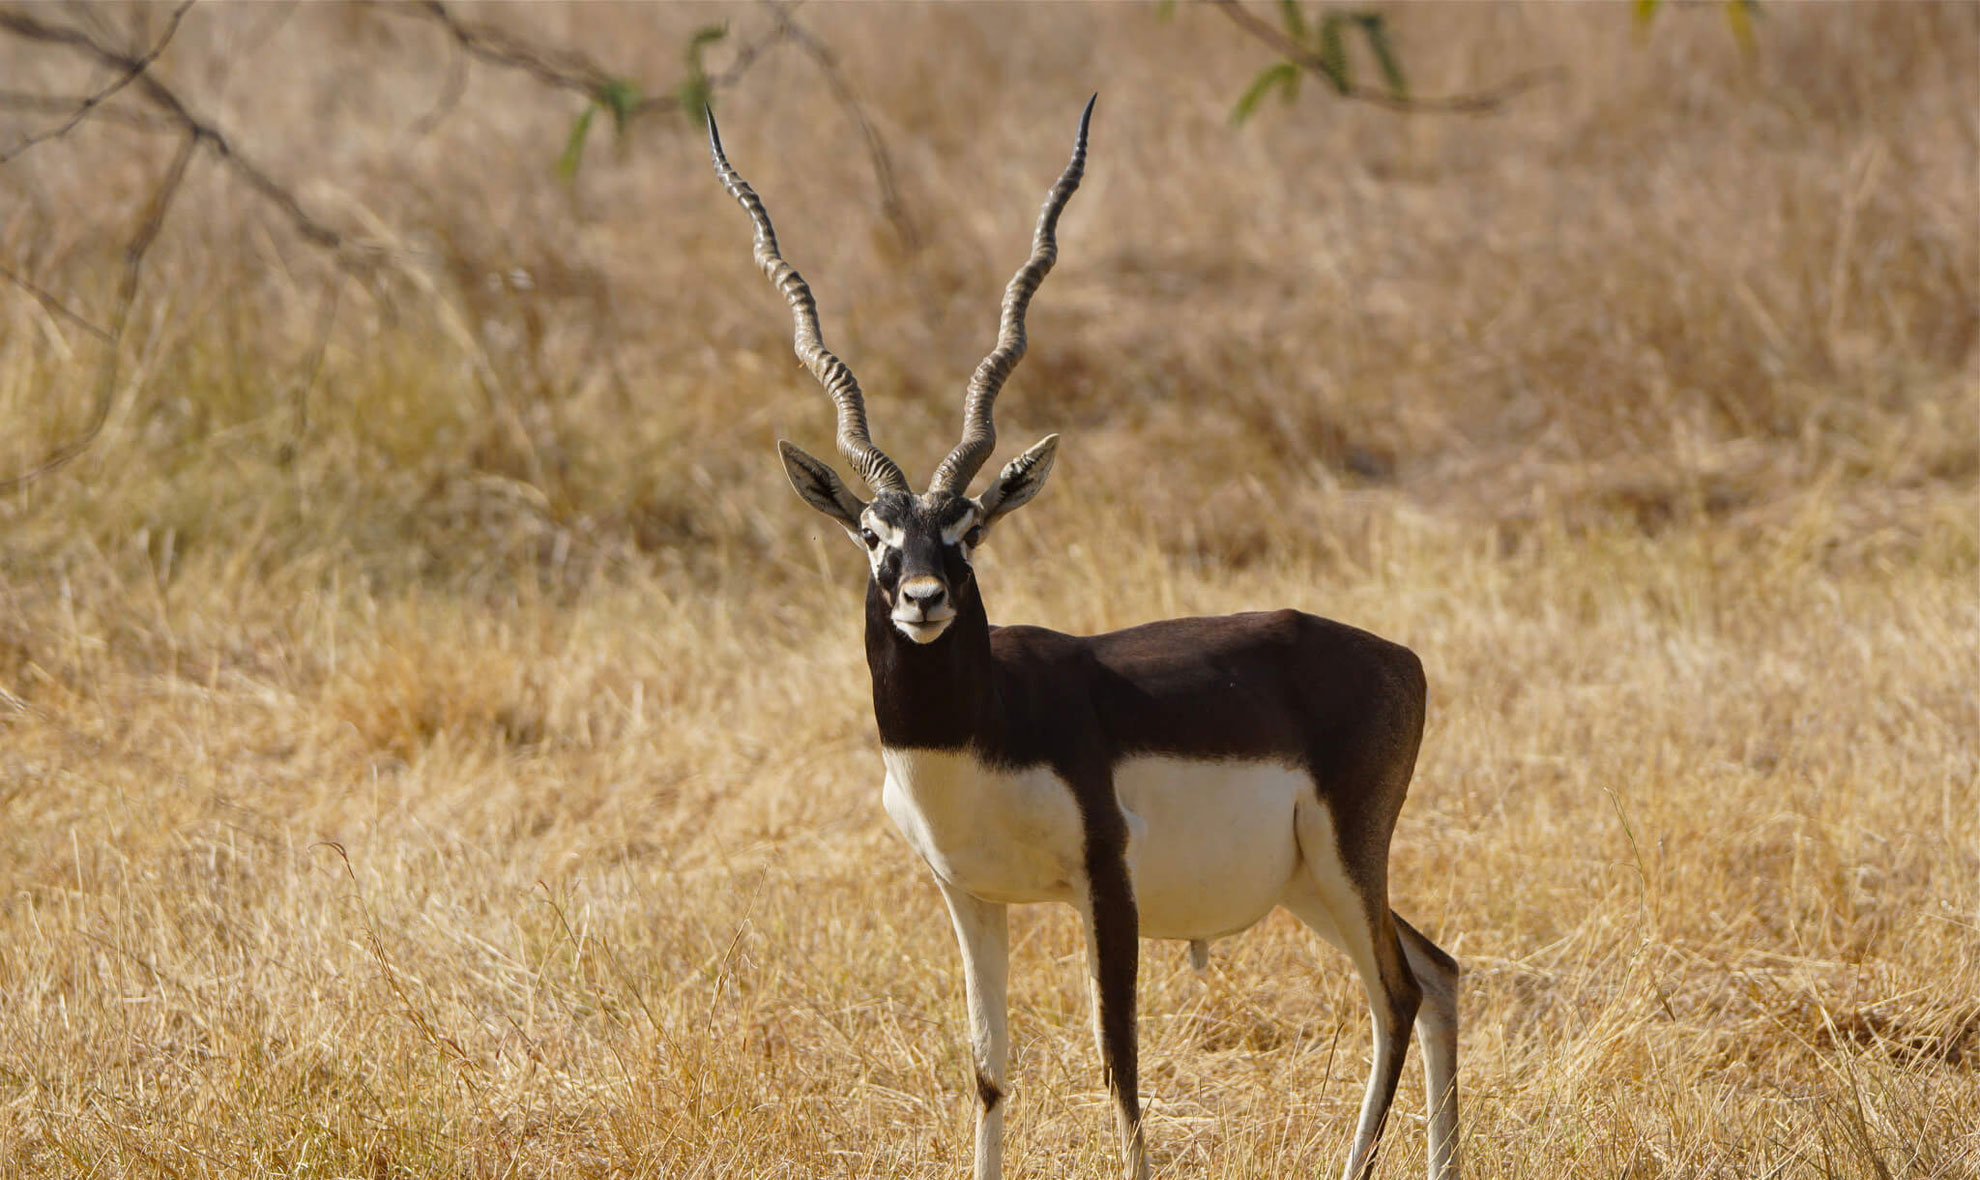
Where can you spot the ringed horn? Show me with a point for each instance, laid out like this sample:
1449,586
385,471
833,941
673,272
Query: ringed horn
979,436
880,473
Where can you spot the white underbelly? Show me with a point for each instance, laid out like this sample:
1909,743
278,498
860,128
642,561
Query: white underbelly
1211,848
1212,845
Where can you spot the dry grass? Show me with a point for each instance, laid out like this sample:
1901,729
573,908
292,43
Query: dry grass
468,772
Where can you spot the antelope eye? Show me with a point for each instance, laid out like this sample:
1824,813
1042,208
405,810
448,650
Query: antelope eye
870,537
974,536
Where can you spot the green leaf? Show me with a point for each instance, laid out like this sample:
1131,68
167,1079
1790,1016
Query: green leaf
1385,55
1333,52
567,164
1646,11
1282,76
1739,16
693,92
703,37
1165,10
1295,20
621,98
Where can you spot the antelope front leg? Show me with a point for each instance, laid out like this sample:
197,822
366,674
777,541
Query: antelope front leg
1113,948
983,933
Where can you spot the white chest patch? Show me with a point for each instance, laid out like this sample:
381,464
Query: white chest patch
1212,846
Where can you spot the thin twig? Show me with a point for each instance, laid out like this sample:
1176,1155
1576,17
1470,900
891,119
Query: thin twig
105,386
452,88
745,56
827,61
558,69
1481,102
90,102
63,104
53,303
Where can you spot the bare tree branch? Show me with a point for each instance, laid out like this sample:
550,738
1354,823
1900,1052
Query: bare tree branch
167,101
568,70
90,102
1482,102
558,69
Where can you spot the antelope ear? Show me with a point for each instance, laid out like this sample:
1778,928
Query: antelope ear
1018,482
821,487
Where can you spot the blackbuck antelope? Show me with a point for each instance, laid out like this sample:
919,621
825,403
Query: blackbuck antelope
1175,780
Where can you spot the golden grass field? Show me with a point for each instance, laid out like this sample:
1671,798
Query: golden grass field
456,760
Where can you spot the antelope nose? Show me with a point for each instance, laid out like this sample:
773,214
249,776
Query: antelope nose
926,593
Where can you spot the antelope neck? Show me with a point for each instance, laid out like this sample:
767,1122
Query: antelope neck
939,695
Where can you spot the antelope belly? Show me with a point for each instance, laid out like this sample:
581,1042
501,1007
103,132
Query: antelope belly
1009,836
1212,844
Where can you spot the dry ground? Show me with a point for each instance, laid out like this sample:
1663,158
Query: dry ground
456,762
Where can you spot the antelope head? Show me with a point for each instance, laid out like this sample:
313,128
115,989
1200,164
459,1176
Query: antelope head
919,545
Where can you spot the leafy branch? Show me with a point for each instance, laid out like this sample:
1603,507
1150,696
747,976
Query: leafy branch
1740,15
626,101
567,69
1320,48
136,97
621,99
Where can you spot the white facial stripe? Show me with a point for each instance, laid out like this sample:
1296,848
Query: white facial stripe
963,524
889,536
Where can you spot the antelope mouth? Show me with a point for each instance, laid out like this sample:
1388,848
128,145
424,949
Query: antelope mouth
923,630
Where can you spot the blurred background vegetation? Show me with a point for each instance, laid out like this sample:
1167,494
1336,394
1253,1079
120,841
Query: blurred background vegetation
1677,272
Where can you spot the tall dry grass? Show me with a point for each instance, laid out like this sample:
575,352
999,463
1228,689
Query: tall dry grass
456,762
